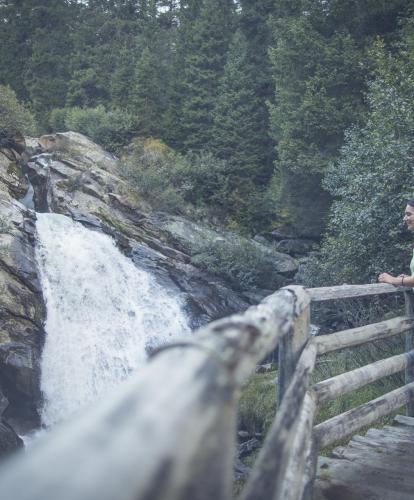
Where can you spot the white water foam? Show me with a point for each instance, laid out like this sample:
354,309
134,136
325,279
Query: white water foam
102,313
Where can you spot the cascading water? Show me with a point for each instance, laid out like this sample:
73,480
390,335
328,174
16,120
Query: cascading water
102,315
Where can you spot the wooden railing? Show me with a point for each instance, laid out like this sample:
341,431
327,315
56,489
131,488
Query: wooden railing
169,432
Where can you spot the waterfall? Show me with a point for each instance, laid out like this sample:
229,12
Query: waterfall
103,313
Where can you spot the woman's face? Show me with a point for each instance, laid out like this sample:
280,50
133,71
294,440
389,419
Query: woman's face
409,217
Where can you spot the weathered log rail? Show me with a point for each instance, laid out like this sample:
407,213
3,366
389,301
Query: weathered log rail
169,432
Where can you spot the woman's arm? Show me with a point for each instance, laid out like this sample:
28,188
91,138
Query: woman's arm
403,279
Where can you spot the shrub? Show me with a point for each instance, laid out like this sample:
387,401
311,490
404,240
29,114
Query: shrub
149,165
111,129
57,119
173,181
15,118
240,261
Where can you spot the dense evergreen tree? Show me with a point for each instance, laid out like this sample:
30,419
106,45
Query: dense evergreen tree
203,67
233,125
319,70
101,61
371,182
146,95
47,70
183,47
15,43
254,23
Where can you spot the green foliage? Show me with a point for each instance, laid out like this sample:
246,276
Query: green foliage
371,182
203,68
258,396
47,70
257,406
233,132
319,79
241,118
168,64
111,129
57,119
175,182
240,261
15,119
147,95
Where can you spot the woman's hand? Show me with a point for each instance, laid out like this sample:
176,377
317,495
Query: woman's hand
387,278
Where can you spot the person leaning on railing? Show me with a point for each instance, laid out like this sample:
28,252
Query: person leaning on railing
403,279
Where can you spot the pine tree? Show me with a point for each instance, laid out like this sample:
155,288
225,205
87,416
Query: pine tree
233,126
234,136
15,44
183,43
146,95
319,82
203,68
104,53
254,23
369,180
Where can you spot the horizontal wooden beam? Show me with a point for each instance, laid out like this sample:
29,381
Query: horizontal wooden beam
273,462
347,423
363,334
334,387
351,291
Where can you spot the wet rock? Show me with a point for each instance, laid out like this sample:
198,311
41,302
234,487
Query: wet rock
265,368
248,447
12,179
9,440
241,471
22,310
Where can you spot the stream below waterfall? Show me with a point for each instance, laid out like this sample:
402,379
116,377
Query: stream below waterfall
103,314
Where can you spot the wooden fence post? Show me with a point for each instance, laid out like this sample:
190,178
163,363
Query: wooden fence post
292,344
409,345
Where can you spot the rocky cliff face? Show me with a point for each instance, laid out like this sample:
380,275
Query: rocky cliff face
72,176
21,305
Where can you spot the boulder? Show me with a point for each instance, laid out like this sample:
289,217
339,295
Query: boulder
76,146
296,246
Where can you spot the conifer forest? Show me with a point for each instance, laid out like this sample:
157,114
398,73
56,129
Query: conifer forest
273,115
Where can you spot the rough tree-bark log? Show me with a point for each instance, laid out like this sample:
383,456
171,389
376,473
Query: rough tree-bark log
347,423
350,291
363,334
333,387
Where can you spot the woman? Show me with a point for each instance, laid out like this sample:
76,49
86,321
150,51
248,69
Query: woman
403,279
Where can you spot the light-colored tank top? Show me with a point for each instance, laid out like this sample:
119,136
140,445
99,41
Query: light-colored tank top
412,265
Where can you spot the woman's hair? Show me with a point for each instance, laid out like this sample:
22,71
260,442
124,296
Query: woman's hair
411,203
